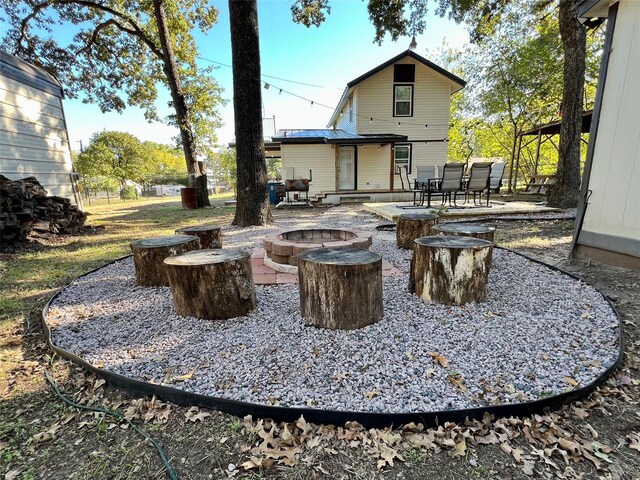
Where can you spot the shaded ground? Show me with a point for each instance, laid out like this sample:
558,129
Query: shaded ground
41,437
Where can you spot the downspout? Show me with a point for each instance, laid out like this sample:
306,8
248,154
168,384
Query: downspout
585,193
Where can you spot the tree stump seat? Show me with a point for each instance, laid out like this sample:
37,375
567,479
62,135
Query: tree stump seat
210,235
340,288
414,225
450,270
149,255
465,230
212,284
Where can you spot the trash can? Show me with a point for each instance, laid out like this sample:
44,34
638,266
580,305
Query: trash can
273,197
189,198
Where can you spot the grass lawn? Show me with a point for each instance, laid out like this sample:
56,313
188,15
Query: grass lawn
42,437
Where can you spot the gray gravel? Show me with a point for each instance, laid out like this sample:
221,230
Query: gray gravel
538,331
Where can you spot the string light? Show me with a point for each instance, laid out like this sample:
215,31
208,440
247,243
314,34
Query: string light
371,119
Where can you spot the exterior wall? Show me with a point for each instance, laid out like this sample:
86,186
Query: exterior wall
431,106
345,121
374,166
611,216
297,160
33,137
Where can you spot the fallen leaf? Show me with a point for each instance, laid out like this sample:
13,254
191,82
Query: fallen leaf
371,394
315,351
194,414
460,449
527,468
571,381
42,437
13,474
441,359
186,376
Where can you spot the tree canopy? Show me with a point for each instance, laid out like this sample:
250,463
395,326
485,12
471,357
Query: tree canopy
119,55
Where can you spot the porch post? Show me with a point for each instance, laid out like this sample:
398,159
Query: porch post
535,167
391,170
337,166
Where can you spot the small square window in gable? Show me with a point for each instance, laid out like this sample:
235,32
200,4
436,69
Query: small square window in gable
404,72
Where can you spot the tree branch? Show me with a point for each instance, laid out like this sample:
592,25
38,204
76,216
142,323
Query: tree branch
135,29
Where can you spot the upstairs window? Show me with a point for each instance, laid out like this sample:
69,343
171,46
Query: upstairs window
402,157
403,100
404,73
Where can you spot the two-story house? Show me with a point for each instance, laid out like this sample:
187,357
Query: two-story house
393,117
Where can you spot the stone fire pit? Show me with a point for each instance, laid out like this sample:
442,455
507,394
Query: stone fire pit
283,248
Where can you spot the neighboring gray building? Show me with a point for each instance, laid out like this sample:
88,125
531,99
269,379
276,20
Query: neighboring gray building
33,131
608,222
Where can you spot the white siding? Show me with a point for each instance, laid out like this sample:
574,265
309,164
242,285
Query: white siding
33,137
347,120
431,105
319,158
615,176
374,167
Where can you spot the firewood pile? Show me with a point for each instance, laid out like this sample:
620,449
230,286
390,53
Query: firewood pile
25,205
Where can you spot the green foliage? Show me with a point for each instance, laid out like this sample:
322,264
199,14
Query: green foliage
114,58
116,155
128,192
164,160
225,165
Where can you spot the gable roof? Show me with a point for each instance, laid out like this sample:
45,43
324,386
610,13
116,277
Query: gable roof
416,57
407,53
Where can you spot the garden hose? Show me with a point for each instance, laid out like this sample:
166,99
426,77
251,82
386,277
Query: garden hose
119,416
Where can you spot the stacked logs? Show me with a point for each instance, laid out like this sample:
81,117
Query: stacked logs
25,205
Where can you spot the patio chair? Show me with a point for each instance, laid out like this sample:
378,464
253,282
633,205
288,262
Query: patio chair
439,170
495,180
450,183
424,174
478,181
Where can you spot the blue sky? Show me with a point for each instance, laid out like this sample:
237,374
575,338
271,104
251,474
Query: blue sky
338,51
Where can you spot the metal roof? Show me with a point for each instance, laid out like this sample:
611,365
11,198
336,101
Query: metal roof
553,128
334,136
21,71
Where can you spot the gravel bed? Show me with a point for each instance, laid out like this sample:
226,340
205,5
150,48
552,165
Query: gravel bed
538,332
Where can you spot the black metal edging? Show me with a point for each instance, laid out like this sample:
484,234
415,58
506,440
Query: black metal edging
337,417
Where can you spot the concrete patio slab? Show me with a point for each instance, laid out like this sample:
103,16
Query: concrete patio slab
391,211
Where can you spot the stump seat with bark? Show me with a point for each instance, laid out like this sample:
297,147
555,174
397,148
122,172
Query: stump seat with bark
212,284
450,270
414,225
465,230
340,288
149,255
210,235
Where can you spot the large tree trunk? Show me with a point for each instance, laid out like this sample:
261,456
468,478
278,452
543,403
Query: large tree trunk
565,192
252,207
197,178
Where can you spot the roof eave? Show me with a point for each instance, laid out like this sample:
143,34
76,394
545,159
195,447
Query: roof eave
341,103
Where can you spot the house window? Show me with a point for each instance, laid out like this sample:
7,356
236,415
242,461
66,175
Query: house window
402,157
403,100
351,108
404,73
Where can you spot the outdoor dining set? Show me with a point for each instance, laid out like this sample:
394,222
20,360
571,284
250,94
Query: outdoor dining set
450,180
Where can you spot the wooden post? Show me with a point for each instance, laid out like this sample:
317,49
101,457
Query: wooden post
340,288
210,235
465,230
414,225
149,255
212,284
450,270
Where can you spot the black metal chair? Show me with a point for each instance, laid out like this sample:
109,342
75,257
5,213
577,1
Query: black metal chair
450,183
478,182
424,175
